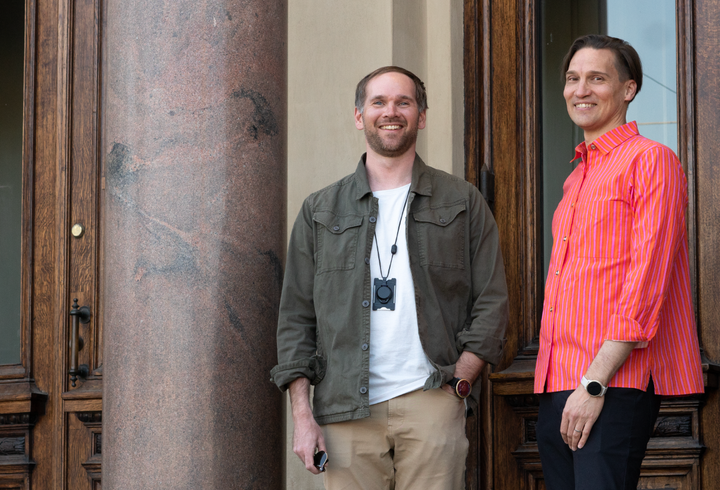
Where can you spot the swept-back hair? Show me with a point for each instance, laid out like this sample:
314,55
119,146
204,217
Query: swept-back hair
420,94
627,60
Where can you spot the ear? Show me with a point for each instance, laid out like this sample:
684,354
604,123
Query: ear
630,90
421,119
358,119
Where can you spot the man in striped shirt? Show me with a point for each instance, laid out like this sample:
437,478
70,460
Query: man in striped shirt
618,327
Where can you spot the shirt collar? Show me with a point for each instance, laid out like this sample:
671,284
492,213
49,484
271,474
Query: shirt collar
608,141
421,183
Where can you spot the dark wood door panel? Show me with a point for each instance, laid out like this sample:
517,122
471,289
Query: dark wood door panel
84,450
44,443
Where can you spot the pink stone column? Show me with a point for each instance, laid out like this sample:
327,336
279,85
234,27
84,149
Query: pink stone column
193,153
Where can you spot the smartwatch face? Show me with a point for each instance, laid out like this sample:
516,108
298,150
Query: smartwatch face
463,388
594,388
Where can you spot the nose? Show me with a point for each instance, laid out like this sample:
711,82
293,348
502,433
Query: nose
582,89
390,109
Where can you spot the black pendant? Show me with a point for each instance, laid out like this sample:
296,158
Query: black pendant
384,296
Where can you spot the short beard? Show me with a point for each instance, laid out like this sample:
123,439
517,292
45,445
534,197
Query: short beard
378,145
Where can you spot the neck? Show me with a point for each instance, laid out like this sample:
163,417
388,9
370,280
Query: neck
389,172
591,136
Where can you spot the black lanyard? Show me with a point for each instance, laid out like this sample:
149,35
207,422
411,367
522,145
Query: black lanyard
393,249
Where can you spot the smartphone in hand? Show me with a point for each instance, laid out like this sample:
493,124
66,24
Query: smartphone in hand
321,460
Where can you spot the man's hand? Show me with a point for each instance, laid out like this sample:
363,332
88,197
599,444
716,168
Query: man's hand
307,436
580,413
468,366
582,410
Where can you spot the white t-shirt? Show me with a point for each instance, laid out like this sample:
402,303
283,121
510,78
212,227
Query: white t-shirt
398,364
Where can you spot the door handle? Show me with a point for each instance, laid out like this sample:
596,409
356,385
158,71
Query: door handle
79,314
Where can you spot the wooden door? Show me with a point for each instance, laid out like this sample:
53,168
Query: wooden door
503,137
50,431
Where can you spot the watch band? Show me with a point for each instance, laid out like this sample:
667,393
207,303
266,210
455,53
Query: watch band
593,387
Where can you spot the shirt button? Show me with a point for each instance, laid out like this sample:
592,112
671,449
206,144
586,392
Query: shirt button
572,205
551,309
363,390
367,260
366,303
373,219
364,347
336,227
564,239
592,147
557,272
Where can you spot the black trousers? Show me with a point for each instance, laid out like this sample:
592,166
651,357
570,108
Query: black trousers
613,453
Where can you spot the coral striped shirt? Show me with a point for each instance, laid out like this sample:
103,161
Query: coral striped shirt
619,269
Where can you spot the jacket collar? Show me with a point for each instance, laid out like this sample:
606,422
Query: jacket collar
421,183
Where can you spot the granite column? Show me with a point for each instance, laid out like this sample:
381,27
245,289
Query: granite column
194,164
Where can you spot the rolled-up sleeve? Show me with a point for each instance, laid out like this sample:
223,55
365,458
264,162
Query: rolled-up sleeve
296,332
659,202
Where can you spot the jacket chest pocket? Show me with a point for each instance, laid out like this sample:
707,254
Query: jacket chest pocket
441,236
337,239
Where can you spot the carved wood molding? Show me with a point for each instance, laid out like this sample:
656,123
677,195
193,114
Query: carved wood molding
19,397
16,419
12,445
15,439
90,419
93,465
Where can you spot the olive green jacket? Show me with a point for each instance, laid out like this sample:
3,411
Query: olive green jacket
460,292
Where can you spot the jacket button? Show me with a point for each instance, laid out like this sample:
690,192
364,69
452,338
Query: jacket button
442,220
364,347
336,227
363,390
367,260
366,303
373,219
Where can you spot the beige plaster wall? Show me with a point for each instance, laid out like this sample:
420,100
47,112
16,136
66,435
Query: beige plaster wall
332,44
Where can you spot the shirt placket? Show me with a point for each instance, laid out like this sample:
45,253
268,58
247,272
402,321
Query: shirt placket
561,251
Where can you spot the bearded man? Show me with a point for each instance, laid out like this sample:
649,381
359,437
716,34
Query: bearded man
394,300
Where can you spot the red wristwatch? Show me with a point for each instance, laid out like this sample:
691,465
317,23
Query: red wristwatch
461,386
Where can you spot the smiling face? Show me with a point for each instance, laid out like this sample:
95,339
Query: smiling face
597,99
390,116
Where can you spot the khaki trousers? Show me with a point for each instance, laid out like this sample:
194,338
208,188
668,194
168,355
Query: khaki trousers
415,441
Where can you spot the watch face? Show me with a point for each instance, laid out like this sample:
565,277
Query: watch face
594,388
463,388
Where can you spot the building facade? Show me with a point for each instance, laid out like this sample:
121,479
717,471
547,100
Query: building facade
153,156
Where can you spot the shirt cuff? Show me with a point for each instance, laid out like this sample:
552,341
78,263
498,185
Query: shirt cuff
624,329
